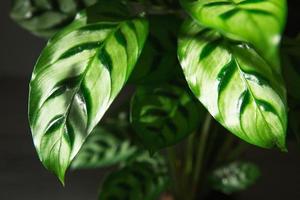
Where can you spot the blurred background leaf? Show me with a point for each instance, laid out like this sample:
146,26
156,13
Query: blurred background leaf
45,17
164,115
234,177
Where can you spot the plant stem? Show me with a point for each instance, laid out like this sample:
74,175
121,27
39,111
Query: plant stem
188,167
155,10
201,153
225,148
240,149
202,146
189,155
171,154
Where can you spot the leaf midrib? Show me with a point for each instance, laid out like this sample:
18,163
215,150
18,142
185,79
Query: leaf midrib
250,91
66,114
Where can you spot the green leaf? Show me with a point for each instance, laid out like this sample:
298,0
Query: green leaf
235,84
164,115
46,17
258,22
103,148
138,180
234,177
158,62
78,75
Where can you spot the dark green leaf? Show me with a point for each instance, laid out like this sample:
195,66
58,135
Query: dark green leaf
235,84
259,23
103,148
234,177
162,116
138,180
158,62
46,17
78,75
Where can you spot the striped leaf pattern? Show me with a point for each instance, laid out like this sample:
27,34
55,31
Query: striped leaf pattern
46,17
234,177
235,84
78,75
103,148
158,62
164,115
138,180
258,22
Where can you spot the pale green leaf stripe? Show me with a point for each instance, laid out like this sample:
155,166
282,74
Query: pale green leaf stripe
235,84
234,177
164,115
75,80
259,22
103,148
138,180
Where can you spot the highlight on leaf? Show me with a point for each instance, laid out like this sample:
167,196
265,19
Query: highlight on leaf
235,84
258,22
78,75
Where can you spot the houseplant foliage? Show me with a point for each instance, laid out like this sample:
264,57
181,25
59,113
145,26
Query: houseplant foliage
207,78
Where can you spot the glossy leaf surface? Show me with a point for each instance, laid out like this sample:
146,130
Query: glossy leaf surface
162,116
46,17
234,177
235,84
78,75
139,180
258,22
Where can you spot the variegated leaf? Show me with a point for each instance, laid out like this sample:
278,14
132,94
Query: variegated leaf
235,84
103,148
234,177
78,75
164,115
46,17
259,22
138,180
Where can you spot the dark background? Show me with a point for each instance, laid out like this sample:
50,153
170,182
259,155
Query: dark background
22,175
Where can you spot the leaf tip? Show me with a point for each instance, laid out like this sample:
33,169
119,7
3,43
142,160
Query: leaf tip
61,177
282,146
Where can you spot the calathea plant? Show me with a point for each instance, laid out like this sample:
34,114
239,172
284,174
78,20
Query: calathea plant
204,73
